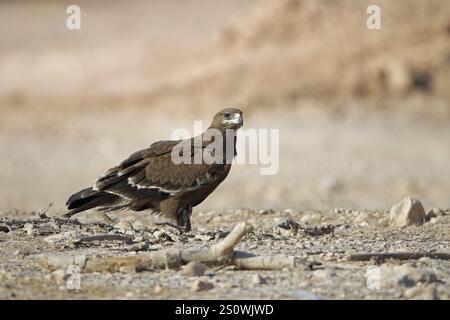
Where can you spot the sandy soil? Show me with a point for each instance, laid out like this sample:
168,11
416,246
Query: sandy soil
23,274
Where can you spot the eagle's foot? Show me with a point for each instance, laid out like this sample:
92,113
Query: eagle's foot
182,229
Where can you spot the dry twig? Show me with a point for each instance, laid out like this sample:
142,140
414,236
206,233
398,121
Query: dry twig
221,253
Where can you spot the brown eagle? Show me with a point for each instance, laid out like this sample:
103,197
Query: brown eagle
170,177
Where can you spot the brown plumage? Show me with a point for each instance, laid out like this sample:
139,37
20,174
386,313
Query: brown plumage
150,179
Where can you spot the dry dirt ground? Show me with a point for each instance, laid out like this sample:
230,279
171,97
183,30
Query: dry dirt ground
328,275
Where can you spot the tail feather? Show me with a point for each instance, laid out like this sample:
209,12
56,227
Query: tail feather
87,199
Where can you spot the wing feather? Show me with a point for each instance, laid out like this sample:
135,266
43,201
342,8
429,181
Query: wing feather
152,173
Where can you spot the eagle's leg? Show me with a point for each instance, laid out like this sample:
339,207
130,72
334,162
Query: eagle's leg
184,218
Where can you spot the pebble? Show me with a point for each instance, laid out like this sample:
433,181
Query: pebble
59,276
4,228
266,211
324,273
28,227
193,268
259,279
290,211
406,213
421,292
158,290
61,238
434,213
405,275
199,285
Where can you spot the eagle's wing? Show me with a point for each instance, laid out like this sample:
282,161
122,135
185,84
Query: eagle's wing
151,172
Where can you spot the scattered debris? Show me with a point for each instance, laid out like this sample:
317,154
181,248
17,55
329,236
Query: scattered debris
306,230
173,258
397,255
218,254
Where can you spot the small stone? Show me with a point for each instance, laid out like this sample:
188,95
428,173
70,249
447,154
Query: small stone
434,213
61,238
59,276
158,290
324,273
259,279
4,228
405,275
199,285
127,269
421,292
204,237
364,224
124,226
435,220
28,227
60,261
266,211
290,211
408,212
193,268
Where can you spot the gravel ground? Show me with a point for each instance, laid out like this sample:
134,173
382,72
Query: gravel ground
330,275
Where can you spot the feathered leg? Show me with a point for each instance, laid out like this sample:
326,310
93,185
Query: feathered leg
184,218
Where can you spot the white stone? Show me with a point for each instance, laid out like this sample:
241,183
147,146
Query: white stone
406,213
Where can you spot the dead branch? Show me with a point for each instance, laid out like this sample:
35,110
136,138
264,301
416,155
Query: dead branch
219,254
398,256
104,237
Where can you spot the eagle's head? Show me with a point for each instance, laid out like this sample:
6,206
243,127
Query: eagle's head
228,118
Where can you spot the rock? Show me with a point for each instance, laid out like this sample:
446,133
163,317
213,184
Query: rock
434,213
4,228
290,211
28,227
158,290
421,292
324,273
259,279
61,261
59,276
199,285
408,212
204,237
435,220
62,238
193,269
337,211
266,211
405,275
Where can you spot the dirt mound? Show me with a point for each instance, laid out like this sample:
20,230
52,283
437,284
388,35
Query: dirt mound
285,51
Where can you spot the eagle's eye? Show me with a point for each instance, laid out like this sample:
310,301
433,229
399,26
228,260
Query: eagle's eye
227,115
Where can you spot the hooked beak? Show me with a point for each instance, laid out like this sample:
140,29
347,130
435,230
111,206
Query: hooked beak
236,120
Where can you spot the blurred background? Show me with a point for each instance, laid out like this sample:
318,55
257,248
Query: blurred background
364,116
